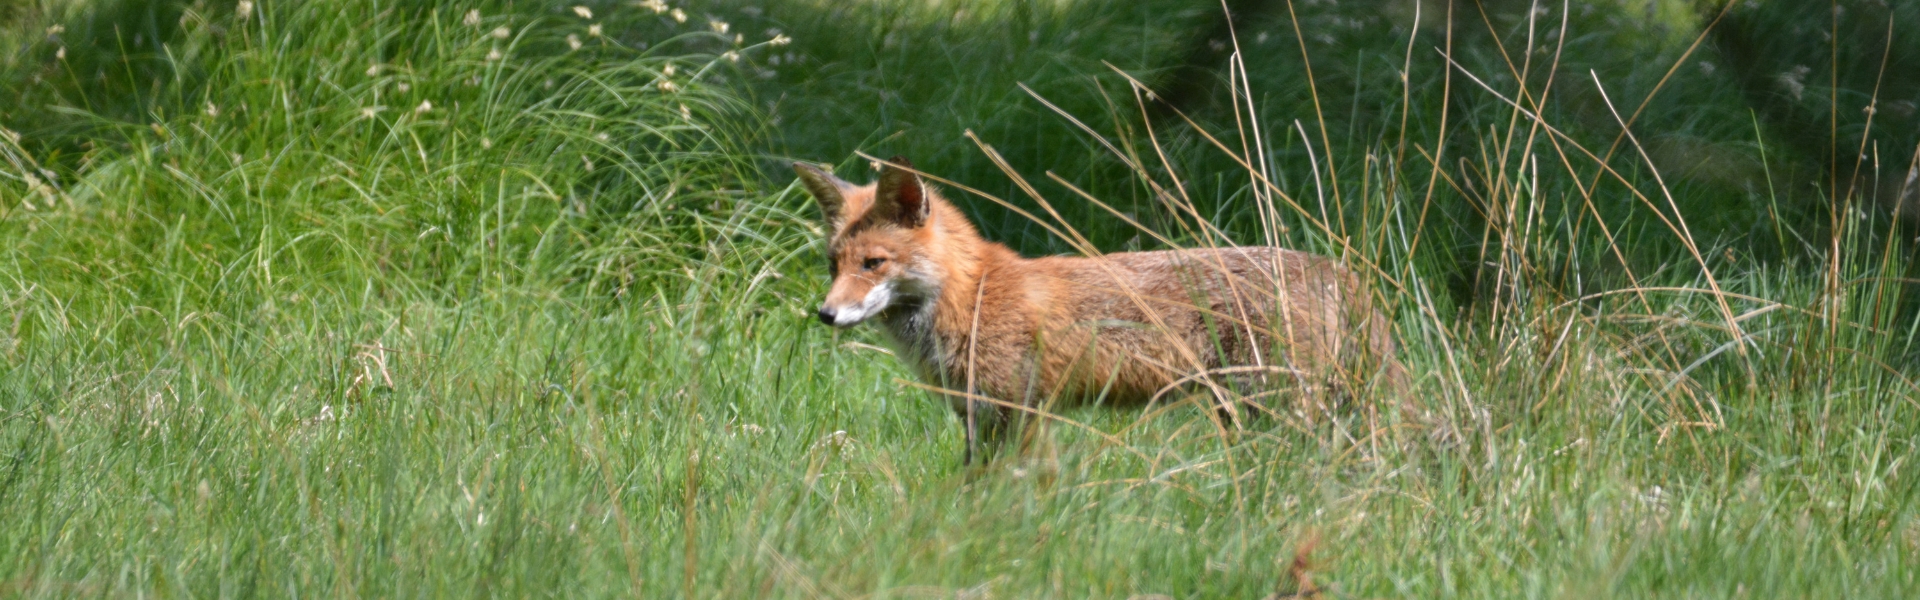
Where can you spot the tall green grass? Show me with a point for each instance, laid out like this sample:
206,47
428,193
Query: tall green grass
362,299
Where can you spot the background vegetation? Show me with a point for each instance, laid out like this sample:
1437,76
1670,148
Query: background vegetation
407,298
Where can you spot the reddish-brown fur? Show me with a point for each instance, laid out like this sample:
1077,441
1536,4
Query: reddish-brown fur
1119,327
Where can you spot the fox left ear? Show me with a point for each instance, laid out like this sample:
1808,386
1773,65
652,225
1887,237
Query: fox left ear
900,196
828,191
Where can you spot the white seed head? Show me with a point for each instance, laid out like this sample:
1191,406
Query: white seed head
573,41
685,115
780,40
212,110
56,29
243,10
584,12
373,70
594,30
667,70
60,54
679,16
486,143
472,19
602,136
501,33
668,86
718,25
739,38
657,6
425,105
494,54
731,56
403,87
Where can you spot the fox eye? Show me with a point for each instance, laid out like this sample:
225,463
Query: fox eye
872,263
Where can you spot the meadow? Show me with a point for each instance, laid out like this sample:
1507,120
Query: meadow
402,298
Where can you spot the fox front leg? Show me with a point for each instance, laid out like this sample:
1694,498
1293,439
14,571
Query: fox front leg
984,428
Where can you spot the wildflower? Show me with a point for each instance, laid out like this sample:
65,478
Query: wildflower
679,16
738,38
486,143
593,30
718,26
493,55
668,86
731,56
584,12
656,6
1791,80
244,10
472,19
212,110
573,41
501,33
780,40
60,54
425,105
667,70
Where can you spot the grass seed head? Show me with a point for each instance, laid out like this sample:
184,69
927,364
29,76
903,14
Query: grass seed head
584,12
472,19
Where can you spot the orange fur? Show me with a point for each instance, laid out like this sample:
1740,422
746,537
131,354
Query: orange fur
1119,327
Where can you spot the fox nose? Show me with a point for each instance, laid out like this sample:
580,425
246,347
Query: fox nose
826,315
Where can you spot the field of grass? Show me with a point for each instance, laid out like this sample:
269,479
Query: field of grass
403,298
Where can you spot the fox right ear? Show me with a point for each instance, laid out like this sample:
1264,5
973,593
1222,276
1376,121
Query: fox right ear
828,191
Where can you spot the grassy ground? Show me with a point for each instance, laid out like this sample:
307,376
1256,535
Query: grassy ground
382,299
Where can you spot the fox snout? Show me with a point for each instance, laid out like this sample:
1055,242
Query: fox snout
847,305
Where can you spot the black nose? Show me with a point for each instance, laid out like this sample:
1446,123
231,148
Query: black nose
826,315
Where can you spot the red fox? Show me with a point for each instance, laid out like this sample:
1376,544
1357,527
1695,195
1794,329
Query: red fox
970,314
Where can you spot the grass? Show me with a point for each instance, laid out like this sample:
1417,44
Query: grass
357,300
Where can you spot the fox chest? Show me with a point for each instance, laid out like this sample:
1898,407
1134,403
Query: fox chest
917,343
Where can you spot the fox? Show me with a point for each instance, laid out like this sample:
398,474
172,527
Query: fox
1002,332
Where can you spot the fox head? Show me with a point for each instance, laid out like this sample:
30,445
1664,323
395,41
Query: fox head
878,242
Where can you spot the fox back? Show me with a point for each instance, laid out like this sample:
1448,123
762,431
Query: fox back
970,314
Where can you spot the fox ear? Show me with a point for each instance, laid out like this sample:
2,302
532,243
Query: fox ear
900,196
828,191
